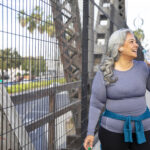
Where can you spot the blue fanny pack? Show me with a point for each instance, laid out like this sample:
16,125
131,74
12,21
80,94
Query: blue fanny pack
139,130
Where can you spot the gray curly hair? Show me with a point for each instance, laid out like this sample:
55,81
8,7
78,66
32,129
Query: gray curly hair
112,54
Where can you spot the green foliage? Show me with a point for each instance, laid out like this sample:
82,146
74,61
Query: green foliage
37,65
62,80
139,33
36,20
9,59
32,85
23,19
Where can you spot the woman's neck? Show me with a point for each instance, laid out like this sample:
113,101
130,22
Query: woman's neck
123,64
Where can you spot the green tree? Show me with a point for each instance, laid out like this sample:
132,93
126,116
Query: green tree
33,21
37,65
9,59
36,20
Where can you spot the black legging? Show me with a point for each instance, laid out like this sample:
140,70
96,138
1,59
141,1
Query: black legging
115,141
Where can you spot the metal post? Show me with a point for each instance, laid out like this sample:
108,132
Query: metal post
84,112
91,41
51,144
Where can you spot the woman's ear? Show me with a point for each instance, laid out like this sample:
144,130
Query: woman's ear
120,49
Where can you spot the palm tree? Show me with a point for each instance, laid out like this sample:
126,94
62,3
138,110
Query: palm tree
35,21
23,19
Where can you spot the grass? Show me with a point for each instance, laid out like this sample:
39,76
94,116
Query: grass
20,87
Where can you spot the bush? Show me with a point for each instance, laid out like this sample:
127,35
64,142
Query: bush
20,87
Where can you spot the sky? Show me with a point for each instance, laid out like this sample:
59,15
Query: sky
137,10
134,9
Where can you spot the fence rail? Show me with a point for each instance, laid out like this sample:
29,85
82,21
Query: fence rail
30,95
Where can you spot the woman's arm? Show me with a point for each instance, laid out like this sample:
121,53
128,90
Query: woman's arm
97,102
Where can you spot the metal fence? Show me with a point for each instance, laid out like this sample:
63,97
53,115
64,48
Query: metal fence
40,74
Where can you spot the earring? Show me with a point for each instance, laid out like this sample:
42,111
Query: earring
121,49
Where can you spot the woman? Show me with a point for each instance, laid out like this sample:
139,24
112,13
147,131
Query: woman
120,87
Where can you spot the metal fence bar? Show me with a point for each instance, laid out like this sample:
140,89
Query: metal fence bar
52,124
85,39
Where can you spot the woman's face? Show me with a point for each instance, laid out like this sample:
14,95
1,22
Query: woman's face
129,49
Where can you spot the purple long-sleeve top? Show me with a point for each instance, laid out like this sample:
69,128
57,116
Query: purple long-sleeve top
126,97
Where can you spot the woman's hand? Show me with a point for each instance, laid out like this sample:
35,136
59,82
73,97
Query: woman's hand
148,63
88,142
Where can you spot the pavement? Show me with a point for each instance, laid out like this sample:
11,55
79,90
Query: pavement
97,146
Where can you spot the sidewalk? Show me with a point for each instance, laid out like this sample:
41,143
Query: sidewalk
97,146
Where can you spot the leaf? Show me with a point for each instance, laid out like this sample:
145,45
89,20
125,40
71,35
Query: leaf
139,33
